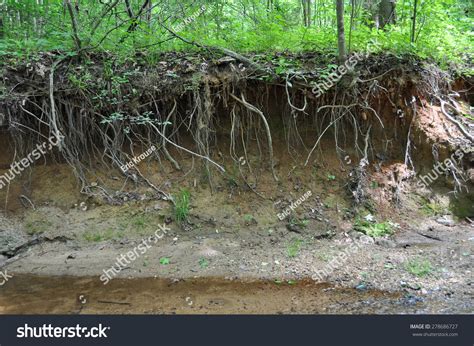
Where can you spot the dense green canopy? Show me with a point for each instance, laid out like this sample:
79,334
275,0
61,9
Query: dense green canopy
442,29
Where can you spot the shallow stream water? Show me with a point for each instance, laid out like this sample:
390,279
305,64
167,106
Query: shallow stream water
27,294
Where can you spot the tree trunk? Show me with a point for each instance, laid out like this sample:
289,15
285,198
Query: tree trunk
371,7
308,12
75,30
303,4
341,40
413,29
386,12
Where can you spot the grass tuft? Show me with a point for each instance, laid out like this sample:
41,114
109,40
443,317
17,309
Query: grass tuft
181,206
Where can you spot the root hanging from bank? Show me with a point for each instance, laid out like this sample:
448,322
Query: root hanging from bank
267,129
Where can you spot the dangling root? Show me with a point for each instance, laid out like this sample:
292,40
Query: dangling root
163,143
454,121
267,128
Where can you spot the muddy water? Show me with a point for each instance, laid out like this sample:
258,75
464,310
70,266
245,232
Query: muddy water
72,295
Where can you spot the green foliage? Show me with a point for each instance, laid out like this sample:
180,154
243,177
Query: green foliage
36,223
443,29
203,263
373,229
37,226
419,267
294,248
181,206
294,221
432,209
164,261
248,218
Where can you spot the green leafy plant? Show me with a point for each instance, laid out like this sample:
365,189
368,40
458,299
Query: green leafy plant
419,267
249,219
294,221
164,261
182,206
374,229
203,263
294,248
432,209
37,226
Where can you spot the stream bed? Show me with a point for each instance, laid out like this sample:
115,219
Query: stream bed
28,294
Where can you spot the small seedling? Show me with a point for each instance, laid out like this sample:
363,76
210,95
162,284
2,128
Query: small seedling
331,177
181,206
374,229
419,267
248,218
294,248
203,263
297,222
164,260
432,209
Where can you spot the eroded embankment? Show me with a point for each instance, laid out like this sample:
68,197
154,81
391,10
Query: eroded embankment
224,117
245,145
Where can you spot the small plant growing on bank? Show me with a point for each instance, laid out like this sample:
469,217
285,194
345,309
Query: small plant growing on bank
374,229
36,223
419,267
164,261
181,206
294,248
203,263
298,222
249,219
432,209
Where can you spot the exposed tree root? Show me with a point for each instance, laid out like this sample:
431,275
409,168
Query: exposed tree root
267,128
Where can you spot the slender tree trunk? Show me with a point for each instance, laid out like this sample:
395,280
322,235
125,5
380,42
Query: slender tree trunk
371,7
303,4
413,29
308,12
148,14
129,9
387,12
75,34
341,40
